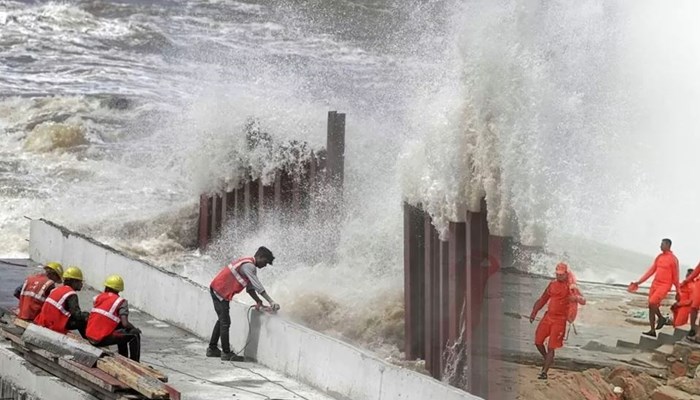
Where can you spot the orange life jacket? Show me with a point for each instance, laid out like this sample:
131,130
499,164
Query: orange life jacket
104,317
54,314
229,281
573,306
33,294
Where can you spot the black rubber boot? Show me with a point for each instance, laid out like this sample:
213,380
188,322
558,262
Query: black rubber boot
213,352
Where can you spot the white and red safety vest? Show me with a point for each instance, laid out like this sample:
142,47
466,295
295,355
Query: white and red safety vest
104,316
229,281
54,314
32,296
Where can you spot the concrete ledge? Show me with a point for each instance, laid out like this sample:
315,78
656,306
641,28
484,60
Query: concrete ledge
335,367
37,383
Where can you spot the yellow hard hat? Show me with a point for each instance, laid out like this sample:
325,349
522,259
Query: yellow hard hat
54,266
73,272
115,282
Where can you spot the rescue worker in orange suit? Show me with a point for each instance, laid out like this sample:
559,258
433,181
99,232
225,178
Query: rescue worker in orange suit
61,311
665,271
684,300
695,299
36,289
239,275
108,323
560,295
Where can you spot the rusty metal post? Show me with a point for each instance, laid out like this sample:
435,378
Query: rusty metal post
266,198
224,207
230,205
437,351
414,281
457,277
297,185
444,302
217,206
238,204
204,218
251,199
336,149
278,191
429,294
473,249
477,275
495,313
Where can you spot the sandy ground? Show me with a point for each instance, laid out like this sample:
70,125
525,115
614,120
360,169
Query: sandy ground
519,382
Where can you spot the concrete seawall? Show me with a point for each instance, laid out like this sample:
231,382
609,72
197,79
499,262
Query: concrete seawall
333,366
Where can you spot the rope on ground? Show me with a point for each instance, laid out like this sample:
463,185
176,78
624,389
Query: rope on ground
249,317
242,351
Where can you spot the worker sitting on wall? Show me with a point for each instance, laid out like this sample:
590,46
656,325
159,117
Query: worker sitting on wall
562,298
231,280
35,289
61,311
108,323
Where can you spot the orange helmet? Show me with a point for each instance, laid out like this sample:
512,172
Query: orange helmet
562,268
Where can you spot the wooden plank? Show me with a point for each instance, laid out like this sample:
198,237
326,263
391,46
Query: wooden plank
21,323
60,344
146,385
94,375
139,368
69,377
174,393
12,334
42,353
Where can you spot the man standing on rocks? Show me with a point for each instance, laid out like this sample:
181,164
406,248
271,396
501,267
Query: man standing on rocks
665,271
695,300
684,301
560,295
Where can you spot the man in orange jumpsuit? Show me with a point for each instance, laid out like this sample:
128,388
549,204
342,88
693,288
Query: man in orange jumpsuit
559,296
665,271
684,300
694,299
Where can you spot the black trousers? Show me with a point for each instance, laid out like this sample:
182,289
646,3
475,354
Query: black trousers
223,323
128,343
77,324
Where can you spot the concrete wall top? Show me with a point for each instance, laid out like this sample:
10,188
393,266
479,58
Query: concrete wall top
336,367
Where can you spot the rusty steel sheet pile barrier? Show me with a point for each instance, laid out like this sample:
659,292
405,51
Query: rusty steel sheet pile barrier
289,190
450,322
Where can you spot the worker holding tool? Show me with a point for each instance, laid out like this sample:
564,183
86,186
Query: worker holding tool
684,300
108,323
232,279
665,271
561,296
61,311
692,279
36,288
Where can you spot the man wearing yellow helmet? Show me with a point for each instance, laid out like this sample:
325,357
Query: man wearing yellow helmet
61,311
108,323
36,288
